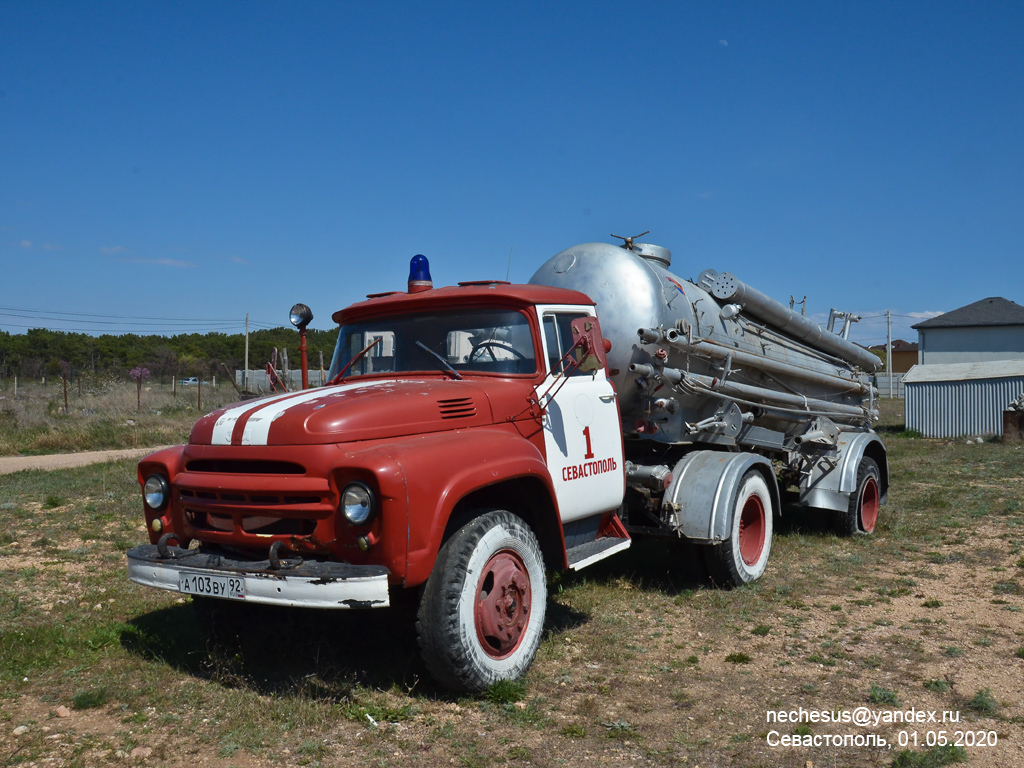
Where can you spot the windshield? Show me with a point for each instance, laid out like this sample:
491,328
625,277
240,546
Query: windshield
486,341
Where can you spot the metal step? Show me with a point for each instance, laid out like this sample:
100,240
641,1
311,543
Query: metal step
586,554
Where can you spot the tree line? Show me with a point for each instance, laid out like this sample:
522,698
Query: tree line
42,352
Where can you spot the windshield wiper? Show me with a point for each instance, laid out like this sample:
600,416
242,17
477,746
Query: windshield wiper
355,358
439,359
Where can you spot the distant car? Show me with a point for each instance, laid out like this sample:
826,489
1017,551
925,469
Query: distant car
190,382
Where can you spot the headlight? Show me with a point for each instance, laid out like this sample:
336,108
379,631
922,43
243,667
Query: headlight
357,504
157,492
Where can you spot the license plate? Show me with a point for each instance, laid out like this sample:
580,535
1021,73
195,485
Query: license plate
231,587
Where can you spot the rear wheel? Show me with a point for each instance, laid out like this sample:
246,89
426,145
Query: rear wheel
482,612
861,515
742,557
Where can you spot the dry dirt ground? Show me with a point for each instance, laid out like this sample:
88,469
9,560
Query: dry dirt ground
650,710
642,670
9,464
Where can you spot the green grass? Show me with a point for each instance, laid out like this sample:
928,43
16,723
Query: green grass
92,698
936,757
983,702
104,416
635,653
506,691
880,695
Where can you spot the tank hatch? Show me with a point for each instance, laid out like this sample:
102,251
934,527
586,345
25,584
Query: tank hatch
656,253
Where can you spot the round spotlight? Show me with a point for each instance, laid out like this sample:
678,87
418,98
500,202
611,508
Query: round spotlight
300,316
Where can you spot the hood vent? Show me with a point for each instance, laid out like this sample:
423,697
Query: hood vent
457,408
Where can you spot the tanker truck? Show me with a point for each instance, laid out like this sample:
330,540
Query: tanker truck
472,438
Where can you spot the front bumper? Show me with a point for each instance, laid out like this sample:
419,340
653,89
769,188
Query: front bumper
303,584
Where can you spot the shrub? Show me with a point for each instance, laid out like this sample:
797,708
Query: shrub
880,695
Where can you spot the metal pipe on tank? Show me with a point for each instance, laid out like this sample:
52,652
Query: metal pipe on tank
774,396
656,477
715,351
748,392
726,287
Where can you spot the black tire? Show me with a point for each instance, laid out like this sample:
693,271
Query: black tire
493,561
861,515
743,557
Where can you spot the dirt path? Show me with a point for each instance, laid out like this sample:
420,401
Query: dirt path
10,464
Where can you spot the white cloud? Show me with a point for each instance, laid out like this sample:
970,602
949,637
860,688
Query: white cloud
928,315
113,249
25,243
238,260
724,43
52,247
162,262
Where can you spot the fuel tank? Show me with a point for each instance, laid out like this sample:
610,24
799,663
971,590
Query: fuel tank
682,350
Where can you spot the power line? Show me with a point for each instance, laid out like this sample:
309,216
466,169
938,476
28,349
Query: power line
58,320
113,317
158,329
184,323
69,317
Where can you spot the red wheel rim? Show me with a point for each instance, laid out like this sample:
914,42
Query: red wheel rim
503,599
869,504
752,530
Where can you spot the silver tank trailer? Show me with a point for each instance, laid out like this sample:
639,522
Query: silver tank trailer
684,354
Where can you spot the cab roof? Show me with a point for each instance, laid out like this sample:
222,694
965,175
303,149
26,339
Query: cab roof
464,294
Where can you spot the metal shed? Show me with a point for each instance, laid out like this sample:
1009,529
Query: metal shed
958,399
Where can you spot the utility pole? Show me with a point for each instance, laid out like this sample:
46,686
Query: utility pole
245,373
888,348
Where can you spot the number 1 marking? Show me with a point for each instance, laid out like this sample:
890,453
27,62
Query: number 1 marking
586,436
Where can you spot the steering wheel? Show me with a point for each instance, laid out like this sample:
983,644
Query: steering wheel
477,354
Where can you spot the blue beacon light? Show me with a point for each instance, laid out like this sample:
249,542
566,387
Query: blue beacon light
419,274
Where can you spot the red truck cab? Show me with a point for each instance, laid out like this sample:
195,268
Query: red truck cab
468,440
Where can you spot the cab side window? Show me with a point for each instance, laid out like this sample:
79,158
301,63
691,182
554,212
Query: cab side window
558,340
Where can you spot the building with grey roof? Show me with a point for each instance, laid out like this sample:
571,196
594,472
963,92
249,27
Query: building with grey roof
961,399
987,330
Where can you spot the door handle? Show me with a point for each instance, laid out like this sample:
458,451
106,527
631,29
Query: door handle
606,398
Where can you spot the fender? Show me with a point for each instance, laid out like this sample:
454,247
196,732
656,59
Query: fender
168,462
168,459
699,504
830,485
472,460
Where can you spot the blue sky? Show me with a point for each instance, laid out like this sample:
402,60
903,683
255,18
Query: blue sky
172,166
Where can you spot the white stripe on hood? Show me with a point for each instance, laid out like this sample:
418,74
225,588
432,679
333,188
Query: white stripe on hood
226,422
257,429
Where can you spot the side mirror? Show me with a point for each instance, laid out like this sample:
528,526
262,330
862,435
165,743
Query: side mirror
591,347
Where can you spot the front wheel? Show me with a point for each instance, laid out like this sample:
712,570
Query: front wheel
482,612
742,557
